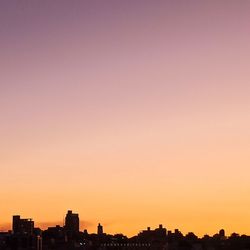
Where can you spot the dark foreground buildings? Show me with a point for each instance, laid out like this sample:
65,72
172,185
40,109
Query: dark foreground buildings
68,237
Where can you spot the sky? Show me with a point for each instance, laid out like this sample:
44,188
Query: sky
130,113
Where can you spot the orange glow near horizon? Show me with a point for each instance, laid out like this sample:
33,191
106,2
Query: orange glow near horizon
130,114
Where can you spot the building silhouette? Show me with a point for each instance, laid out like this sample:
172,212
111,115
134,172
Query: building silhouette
22,226
71,223
157,235
99,229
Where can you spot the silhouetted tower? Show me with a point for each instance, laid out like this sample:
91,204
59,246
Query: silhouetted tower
71,223
16,223
222,233
99,229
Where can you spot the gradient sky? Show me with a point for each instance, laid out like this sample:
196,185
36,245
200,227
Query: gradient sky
131,113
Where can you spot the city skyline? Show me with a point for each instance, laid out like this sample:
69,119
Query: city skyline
82,226
71,224
132,113
24,235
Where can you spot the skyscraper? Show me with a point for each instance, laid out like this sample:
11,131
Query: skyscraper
71,223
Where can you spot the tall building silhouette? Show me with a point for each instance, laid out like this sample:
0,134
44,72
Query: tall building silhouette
71,223
99,229
22,226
